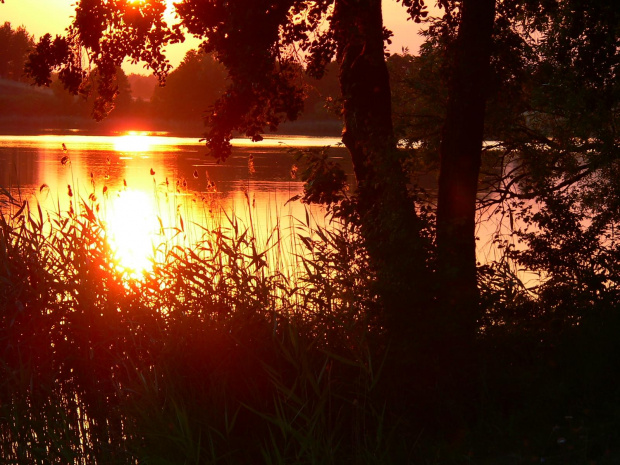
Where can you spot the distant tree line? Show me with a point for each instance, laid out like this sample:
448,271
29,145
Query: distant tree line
15,45
189,91
28,106
200,80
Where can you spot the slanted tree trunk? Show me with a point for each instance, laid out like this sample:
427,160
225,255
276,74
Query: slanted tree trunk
460,151
390,226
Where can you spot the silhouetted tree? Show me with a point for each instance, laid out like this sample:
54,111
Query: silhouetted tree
323,99
564,156
552,109
254,40
15,44
191,89
142,87
460,159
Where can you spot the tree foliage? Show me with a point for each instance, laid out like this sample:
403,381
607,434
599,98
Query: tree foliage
192,88
14,47
552,114
561,154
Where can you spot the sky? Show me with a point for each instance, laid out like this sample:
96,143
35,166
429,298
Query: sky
43,16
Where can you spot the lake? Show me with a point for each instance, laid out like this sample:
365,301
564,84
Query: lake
140,179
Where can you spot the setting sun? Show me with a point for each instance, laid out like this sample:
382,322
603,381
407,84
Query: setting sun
133,228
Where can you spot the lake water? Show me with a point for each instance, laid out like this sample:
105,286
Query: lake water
140,179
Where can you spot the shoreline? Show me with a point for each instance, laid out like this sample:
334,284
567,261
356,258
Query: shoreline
30,126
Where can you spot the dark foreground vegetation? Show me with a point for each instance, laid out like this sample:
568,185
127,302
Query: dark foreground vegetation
388,342
219,354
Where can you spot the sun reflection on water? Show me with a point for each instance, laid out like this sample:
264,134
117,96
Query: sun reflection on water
133,142
133,228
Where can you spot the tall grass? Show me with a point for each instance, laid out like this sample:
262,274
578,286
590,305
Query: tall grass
223,352
254,343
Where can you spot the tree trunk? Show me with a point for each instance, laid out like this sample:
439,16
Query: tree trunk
460,151
432,325
390,226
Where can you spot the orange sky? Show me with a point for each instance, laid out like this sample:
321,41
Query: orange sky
42,16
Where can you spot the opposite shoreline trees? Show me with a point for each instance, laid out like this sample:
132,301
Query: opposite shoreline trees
14,47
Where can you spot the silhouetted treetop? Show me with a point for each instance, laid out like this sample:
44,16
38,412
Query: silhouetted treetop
191,89
258,41
103,34
14,46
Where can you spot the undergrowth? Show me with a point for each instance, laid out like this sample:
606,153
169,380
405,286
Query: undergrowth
211,356
251,345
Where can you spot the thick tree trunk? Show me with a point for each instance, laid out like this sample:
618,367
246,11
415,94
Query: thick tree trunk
390,225
432,326
460,150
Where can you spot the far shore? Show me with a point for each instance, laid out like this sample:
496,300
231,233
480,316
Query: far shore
114,126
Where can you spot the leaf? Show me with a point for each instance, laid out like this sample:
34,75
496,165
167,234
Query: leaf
90,216
21,209
293,199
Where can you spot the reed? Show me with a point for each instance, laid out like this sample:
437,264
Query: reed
248,343
223,352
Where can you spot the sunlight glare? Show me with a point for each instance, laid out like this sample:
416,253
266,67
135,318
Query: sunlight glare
133,229
132,142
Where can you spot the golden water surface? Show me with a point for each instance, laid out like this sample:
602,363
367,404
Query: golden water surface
145,183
